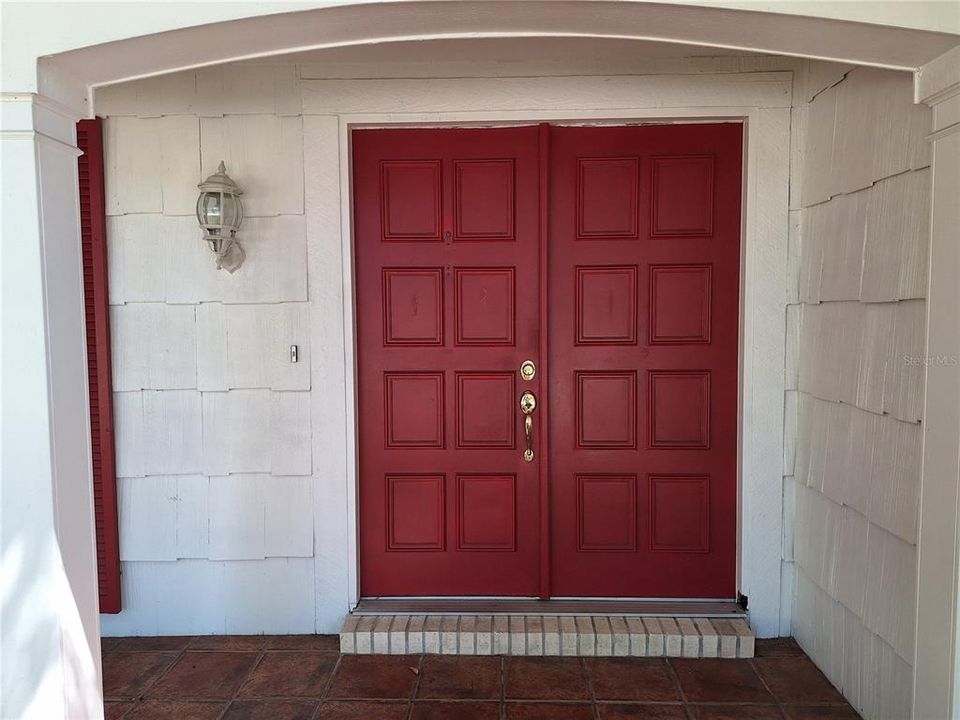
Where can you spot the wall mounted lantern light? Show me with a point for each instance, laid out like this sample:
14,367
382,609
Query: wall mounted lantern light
220,212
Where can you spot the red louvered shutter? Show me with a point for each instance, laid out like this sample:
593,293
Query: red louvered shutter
94,241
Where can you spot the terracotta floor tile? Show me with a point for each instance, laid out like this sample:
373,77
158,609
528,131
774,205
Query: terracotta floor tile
453,677
312,643
215,675
162,643
127,675
641,712
271,710
545,679
716,681
375,676
548,711
229,642
290,674
777,647
632,679
363,710
434,710
176,710
115,710
735,712
797,680
821,712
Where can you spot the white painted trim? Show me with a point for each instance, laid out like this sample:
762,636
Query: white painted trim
766,138
936,664
51,651
938,79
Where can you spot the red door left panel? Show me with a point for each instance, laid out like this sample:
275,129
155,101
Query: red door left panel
93,240
447,252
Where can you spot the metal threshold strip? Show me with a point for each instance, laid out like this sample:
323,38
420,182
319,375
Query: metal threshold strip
558,607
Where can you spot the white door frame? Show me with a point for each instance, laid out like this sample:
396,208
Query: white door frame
762,317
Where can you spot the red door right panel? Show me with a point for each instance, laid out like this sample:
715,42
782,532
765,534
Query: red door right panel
644,307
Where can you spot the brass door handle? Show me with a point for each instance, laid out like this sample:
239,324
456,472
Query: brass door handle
528,403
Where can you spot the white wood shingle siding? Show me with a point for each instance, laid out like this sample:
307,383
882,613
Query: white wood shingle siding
213,420
856,339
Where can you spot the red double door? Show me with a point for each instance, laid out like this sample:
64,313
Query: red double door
606,260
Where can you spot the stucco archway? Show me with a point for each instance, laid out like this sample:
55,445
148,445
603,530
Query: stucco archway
67,75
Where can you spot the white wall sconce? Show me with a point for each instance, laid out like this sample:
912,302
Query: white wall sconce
220,212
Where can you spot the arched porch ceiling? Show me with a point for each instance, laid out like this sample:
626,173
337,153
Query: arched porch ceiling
67,76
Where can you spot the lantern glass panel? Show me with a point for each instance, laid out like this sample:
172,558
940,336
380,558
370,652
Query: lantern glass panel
231,210
209,209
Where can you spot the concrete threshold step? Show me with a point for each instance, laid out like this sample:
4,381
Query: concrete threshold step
581,635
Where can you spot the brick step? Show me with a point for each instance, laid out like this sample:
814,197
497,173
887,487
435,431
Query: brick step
597,635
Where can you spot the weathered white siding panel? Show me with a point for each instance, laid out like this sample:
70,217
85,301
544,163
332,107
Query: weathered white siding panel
135,251
248,346
180,168
172,438
903,385
795,256
236,518
128,433
895,477
154,346
843,247
130,146
272,596
877,320
815,234
290,433
193,519
263,154
256,431
890,589
148,518
851,672
895,253
212,347
169,148
790,417
818,148
288,514
851,569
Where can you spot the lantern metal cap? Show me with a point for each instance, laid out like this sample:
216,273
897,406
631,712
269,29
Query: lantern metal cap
220,182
